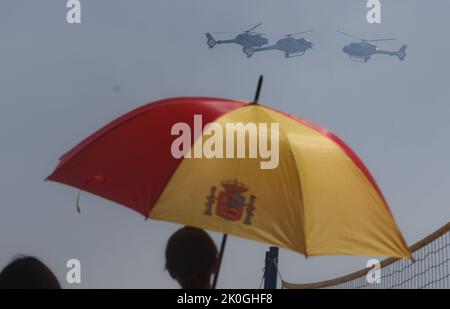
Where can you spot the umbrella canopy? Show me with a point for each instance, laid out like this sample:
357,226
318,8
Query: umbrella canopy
314,195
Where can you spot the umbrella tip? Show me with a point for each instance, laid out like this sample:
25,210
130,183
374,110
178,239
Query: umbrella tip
258,89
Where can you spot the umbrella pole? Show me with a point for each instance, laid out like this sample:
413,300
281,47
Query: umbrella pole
258,89
225,236
222,249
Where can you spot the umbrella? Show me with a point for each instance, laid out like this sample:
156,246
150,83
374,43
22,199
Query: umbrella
312,195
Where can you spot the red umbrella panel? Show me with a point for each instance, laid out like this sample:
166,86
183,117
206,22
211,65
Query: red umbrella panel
314,195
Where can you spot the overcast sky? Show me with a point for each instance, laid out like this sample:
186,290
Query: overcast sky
61,82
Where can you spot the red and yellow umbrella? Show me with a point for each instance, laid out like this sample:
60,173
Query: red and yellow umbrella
318,199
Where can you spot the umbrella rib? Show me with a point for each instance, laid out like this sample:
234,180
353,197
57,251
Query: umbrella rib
297,174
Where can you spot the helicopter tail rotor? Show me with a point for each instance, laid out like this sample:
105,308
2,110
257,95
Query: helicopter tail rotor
211,42
401,53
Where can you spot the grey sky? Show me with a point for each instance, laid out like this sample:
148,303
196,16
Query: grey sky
57,86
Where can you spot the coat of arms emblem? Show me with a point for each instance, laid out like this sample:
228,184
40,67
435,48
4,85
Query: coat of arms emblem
231,203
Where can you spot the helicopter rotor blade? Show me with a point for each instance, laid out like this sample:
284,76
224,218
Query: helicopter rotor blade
235,32
253,28
257,33
350,35
292,34
297,33
380,40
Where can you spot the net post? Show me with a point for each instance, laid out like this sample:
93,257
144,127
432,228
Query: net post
270,270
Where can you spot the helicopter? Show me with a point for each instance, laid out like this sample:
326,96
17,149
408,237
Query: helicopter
291,46
362,51
248,39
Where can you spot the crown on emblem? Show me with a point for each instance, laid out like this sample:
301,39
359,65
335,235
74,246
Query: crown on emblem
234,186
231,204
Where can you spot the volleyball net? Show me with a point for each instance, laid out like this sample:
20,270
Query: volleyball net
430,269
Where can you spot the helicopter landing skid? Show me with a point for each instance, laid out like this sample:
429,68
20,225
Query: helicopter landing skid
287,55
359,59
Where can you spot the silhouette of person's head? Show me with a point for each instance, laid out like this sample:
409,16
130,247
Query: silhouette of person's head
28,273
191,258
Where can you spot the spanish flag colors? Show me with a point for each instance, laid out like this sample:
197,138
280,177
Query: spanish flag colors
294,185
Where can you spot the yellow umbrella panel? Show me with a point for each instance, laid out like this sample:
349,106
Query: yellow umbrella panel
311,195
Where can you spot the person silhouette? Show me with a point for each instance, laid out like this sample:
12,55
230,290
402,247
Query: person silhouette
191,258
28,273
